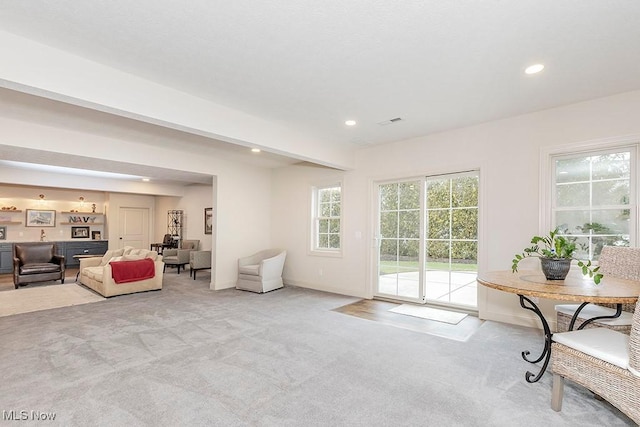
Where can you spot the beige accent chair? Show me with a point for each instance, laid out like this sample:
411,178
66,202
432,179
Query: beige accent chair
615,261
95,272
199,260
180,257
605,361
261,272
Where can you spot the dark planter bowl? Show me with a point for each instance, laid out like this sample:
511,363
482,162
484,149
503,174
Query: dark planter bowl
555,269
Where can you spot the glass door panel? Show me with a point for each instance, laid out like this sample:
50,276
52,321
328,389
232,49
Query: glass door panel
451,244
399,235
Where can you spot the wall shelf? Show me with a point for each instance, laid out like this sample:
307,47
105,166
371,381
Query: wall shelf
81,223
10,222
10,211
80,213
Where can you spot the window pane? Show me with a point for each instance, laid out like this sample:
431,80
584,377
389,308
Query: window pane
409,257
600,242
611,193
323,225
323,241
335,210
409,195
570,195
464,255
437,252
409,224
388,197
573,170
389,224
464,191
464,224
571,220
438,224
438,195
334,226
324,196
616,220
389,250
615,165
325,209
335,195
334,241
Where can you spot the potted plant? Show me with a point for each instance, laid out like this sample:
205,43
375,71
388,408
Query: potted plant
555,253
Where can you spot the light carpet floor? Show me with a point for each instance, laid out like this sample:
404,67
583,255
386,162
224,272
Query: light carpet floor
26,300
188,356
430,313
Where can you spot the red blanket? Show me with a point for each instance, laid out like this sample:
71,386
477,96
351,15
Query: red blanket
132,271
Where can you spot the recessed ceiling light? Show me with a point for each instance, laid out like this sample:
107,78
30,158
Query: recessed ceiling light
350,123
146,179
533,69
255,150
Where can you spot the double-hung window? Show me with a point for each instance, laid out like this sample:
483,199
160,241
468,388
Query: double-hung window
327,218
593,198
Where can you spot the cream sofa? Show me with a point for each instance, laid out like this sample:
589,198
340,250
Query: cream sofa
95,272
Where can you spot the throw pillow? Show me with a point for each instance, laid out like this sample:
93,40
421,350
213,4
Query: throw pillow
132,257
110,254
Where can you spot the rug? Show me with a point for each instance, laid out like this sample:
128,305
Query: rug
429,313
26,300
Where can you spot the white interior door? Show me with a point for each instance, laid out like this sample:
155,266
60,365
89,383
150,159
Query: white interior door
133,227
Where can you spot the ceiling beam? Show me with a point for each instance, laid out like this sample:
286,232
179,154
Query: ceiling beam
41,70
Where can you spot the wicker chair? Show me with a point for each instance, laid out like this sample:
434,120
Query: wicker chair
616,261
605,361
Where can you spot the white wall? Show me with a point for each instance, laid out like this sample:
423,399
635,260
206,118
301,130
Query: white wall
507,152
193,202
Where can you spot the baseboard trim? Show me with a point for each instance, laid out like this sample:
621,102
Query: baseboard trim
317,287
513,319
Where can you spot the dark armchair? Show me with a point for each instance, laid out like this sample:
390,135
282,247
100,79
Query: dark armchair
36,262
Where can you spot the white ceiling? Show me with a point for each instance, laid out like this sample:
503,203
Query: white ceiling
313,64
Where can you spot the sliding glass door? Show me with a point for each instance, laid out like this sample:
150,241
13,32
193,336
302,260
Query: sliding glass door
428,239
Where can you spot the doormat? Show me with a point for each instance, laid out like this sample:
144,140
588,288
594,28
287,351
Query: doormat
26,300
429,313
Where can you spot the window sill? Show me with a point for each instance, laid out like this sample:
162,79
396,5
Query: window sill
330,254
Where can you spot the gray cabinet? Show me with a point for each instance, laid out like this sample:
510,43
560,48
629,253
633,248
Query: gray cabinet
6,258
69,249
66,248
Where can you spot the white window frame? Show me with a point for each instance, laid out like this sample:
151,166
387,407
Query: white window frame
315,204
547,171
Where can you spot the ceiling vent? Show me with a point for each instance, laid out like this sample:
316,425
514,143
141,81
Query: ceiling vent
390,121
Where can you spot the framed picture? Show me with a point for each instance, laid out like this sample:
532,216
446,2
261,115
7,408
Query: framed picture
79,232
208,220
40,218
3,232
96,235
